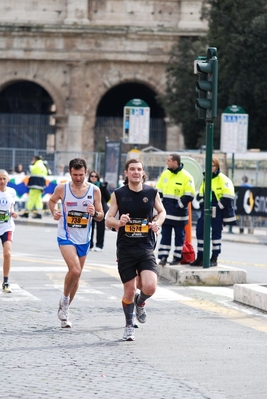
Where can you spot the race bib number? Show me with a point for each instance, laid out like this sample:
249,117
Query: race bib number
4,216
77,219
137,228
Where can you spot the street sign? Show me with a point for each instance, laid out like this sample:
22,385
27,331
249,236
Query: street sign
234,130
136,120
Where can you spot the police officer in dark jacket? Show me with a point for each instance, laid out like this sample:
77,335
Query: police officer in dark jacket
94,178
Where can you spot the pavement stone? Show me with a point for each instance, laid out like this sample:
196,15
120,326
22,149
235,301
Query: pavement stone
39,360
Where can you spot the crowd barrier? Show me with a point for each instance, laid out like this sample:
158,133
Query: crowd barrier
19,183
249,201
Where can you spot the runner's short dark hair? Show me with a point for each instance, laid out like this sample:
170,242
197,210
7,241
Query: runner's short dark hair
77,163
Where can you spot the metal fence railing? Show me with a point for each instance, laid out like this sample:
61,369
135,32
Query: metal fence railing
10,157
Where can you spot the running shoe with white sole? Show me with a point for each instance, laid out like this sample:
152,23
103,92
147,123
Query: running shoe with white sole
140,311
63,315
6,288
128,334
63,310
66,324
134,322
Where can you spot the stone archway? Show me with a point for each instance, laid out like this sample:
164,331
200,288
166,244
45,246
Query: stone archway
109,115
25,109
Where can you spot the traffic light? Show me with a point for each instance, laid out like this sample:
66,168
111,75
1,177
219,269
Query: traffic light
207,85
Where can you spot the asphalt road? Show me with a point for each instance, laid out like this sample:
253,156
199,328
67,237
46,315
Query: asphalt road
197,342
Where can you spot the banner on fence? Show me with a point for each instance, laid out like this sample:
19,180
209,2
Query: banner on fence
20,183
251,201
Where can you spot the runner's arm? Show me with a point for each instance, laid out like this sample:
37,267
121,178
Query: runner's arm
54,199
111,221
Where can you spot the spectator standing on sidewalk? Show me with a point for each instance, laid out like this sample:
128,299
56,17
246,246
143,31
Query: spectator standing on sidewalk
81,202
177,188
7,225
19,171
36,185
94,178
223,213
136,228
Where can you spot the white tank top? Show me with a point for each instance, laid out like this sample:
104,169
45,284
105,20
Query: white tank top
7,198
75,224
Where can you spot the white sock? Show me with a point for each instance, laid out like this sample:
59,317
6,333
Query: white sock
65,299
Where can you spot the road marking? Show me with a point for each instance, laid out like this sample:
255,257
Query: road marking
222,291
164,294
41,269
18,294
231,313
238,263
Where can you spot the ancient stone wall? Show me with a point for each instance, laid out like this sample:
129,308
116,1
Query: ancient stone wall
79,49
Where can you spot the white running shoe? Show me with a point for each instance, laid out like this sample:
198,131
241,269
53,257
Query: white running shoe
97,249
6,288
63,315
63,311
66,324
128,334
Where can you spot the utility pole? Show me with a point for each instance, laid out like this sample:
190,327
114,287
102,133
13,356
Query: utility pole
206,104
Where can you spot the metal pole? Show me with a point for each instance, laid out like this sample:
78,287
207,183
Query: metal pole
207,197
233,174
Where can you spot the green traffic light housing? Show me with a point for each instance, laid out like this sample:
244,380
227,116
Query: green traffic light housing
207,85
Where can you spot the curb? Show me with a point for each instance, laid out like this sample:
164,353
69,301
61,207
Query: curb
193,276
254,295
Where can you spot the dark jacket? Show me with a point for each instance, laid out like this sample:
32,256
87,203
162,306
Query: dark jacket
105,196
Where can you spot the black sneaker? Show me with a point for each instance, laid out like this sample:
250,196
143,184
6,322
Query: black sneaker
24,215
140,311
37,216
163,261
213,262
197,262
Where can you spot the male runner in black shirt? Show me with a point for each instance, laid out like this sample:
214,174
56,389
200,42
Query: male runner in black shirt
135,203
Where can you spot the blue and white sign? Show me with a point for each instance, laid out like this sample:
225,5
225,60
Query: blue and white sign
136,121
234,131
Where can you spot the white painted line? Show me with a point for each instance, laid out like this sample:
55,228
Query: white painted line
18,294
223,291
164,294
42,268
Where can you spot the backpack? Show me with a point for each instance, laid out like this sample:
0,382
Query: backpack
188,253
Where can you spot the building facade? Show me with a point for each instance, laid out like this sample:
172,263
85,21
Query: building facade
77,51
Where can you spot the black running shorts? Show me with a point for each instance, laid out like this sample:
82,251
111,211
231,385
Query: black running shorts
132,261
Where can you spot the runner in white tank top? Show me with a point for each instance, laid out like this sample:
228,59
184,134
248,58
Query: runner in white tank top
81,202
7,225
75,224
